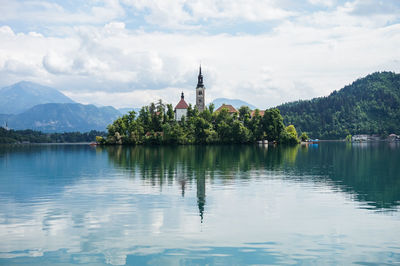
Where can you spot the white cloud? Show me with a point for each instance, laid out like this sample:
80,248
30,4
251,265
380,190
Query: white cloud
251,10
56,63
292,63
44,11
374,7
304,57
327,3
181,14
6,31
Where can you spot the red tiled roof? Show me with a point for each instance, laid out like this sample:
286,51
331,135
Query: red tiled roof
254,112
182,105
230,108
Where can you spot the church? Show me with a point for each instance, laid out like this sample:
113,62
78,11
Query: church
182,106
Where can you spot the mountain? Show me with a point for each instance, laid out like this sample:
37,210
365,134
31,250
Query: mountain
234,102
370,105
64,117
23,95
4,118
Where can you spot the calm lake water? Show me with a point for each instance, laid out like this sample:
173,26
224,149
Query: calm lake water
332,203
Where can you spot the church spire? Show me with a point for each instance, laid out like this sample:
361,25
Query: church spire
200,92
200,79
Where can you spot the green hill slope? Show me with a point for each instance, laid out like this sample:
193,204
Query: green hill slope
370,105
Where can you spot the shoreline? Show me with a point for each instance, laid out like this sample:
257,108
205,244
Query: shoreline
196,144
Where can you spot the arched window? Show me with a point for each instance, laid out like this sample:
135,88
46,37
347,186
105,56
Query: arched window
200,93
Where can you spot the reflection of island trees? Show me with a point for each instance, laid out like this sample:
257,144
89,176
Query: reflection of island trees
158,163
192,164
371,173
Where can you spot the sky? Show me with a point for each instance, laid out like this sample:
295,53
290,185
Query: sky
128,53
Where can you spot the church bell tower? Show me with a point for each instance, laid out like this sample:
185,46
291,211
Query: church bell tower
200,93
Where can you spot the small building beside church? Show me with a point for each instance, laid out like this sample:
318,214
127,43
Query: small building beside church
228,107
181,108
253,113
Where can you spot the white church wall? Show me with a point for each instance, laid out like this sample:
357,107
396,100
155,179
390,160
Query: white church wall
179,113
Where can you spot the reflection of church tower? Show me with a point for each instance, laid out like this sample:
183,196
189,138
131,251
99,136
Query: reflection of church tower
201,194
183,186
200,93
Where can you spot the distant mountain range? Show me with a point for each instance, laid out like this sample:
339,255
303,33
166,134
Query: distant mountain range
64,117
370,105
27,105
234,102
23,95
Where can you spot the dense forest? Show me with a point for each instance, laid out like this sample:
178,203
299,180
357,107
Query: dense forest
31,136
370,105
155,124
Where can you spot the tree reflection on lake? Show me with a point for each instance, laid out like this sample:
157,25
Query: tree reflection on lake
369,171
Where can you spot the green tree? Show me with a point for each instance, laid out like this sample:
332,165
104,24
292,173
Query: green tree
244,113
170,112
211,108
224,132
304,136
200,131
289,135
273,124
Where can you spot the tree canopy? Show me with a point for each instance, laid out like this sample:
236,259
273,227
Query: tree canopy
155,124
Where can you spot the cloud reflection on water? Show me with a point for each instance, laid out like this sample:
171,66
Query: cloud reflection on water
133,209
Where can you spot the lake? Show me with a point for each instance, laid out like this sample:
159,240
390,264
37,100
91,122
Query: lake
327,203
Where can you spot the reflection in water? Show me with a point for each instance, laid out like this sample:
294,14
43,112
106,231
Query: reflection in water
194,163
200,204
369,171
201,194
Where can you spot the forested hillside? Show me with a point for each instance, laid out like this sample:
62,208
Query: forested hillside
31,136
370,105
